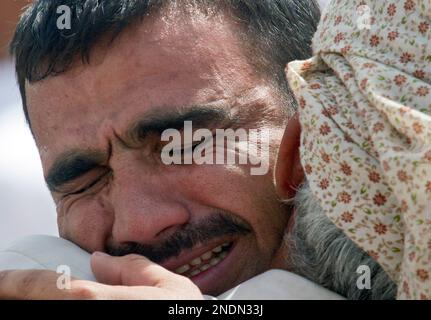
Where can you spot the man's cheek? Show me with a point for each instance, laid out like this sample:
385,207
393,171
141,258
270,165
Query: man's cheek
87,225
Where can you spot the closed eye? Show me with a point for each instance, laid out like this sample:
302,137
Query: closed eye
192,147
90,185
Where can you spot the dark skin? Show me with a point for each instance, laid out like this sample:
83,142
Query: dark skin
120,193
135,277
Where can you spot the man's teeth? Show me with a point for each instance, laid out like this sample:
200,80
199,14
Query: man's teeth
205,261
196,262
183,269
217,250
195,272
207,255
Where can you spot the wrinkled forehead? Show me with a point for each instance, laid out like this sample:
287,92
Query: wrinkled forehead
151,66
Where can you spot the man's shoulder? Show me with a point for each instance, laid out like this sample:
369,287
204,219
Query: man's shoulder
279,284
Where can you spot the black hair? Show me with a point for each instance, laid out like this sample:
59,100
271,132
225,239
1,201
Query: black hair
282,29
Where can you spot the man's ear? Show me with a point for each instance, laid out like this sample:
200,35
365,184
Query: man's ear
288,170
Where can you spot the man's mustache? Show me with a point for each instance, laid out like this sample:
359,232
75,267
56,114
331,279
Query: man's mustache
217,225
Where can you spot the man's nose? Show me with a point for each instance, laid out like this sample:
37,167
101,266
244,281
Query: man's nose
147,208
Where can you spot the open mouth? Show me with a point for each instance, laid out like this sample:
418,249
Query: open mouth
212,266
205,261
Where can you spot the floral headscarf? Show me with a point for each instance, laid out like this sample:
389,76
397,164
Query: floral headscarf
365,112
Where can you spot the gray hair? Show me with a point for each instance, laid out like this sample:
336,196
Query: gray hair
321,252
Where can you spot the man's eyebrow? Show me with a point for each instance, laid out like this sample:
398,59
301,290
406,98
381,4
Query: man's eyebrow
70,166
73,164
201,117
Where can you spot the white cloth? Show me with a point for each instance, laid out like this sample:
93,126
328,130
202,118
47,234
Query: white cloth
46,253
